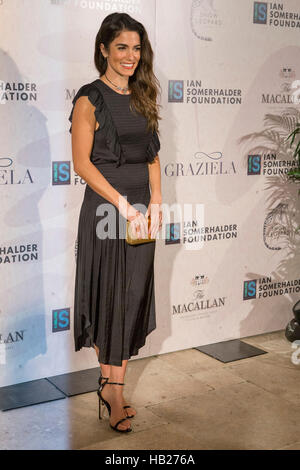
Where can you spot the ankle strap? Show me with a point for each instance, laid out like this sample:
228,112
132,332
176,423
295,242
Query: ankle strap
100,379
115,383
107,378
107,381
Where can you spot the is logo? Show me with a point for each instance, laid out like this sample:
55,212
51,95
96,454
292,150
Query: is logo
172,233
254,164
61,172
175,94
60,319
260,10
249,290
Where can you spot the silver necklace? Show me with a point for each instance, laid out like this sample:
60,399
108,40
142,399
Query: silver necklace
118,87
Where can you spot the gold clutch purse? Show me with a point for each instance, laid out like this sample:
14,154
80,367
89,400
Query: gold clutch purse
138,241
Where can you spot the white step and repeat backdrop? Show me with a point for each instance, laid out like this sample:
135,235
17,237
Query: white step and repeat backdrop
228,71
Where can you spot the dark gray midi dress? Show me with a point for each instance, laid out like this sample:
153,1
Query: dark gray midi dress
114,300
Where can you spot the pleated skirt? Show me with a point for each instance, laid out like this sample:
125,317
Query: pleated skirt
114,299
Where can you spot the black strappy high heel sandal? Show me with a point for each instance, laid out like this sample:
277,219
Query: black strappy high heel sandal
125,406
103,402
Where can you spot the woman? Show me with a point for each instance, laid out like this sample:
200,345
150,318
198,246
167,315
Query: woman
114,149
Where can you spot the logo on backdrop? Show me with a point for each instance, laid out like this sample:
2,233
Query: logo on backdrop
18,253
249,290
60,319
287,73
268,164
276,230
288,89
17,91
277,16
194,92
204,164
254,165
199,280
203,307
12,337
11,175
260,12
7,343
172,233
265,287
274,134
204,19
61,174
194,232
131,7
176,91
199,306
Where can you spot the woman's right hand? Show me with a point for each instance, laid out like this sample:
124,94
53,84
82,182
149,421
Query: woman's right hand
138,226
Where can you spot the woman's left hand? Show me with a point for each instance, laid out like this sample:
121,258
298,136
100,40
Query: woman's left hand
155,213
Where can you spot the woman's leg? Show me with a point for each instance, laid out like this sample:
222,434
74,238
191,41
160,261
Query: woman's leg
106,372
105,368
114,393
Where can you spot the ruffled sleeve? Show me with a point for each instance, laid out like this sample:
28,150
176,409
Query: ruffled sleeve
103,117
153,147
95,97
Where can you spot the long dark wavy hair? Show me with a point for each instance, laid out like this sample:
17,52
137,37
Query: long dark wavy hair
143,84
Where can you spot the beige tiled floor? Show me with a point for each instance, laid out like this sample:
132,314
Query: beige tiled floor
184,400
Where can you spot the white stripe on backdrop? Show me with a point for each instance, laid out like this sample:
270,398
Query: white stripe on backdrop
223,67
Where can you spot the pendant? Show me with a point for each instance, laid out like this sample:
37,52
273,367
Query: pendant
123,90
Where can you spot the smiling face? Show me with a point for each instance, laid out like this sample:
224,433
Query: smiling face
124,53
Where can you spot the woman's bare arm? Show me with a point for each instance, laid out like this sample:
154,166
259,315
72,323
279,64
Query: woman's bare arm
155,180
83,126
154,207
